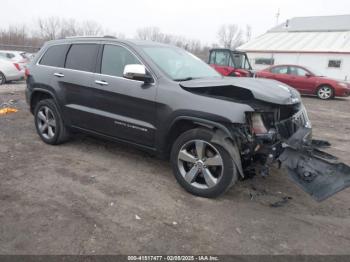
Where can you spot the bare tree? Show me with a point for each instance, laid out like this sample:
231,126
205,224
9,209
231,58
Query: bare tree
150,33
49,27
90,27
230,36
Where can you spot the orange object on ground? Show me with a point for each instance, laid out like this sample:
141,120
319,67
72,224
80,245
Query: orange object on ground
7,110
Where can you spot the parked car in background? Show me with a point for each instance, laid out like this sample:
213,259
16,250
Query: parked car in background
230,62
10,71
306,81
19,57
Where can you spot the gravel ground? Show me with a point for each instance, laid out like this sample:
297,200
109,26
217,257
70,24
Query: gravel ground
90,196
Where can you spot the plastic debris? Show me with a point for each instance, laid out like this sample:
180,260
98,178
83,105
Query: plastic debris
8,110
137,217
174,223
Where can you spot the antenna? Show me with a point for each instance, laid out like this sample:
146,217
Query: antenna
277,16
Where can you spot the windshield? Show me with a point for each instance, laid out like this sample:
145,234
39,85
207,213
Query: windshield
240,61
179,64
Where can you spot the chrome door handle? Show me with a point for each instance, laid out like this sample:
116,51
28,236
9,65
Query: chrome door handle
102,83
58,74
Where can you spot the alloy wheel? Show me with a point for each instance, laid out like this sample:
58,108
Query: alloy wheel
324,92
46,122
200,164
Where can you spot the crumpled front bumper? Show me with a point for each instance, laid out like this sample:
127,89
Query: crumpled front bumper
316,172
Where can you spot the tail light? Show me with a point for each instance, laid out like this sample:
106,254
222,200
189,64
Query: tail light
258,124
17,66
26,73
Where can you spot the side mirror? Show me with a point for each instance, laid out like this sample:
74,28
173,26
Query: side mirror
308,75
137,72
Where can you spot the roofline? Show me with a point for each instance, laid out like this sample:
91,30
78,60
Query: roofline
226,49
298,52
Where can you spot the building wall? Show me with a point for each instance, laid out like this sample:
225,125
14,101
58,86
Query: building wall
317,62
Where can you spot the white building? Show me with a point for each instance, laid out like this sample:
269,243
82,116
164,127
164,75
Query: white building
321,43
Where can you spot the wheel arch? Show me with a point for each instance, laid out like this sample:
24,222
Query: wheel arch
39,94
182,124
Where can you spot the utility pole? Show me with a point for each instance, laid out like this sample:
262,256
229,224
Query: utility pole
277,16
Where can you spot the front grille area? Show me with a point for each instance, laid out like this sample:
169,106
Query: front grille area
286,128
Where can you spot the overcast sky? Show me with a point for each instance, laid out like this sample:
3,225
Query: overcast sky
196,19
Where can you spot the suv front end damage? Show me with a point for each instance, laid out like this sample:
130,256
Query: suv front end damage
283,135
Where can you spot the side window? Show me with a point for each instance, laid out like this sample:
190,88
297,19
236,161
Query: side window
115,58
297,71
279,70
55,56
82,57
222,58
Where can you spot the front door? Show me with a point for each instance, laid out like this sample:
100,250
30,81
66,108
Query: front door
122,108
301,79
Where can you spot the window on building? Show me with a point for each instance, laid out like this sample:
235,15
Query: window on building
264,61
334,63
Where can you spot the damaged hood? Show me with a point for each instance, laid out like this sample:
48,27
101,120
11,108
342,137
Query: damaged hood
267,90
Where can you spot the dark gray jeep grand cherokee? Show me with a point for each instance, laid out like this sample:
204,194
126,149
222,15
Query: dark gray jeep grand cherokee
163,99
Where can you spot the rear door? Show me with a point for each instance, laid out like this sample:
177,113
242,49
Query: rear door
301,79
75,82
121,107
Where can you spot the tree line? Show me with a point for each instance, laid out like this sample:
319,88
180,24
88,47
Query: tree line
44,29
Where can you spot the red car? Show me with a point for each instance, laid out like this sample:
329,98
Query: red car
230,62
306,81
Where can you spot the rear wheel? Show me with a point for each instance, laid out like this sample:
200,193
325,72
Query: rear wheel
49,123
2,78
325,92
202,167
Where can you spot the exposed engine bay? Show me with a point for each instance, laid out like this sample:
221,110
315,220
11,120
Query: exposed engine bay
278,132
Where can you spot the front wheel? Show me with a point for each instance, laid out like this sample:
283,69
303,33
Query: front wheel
202,167
325,92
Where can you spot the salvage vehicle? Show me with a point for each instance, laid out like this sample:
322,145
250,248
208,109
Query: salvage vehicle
230,62
160,98
307,81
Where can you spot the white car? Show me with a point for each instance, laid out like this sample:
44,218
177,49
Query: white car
19,57
10,71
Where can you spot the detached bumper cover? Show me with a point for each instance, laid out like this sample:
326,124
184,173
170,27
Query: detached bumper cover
316,172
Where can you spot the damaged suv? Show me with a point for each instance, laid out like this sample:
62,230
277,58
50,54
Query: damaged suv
215,130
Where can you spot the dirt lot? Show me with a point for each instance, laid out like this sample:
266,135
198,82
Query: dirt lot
95,197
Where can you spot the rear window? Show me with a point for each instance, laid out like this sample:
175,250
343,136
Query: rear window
54,56
82,57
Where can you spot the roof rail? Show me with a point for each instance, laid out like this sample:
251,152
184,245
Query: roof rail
90,36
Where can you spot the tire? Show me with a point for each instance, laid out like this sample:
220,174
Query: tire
49,124
2,79
191,168
325,92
